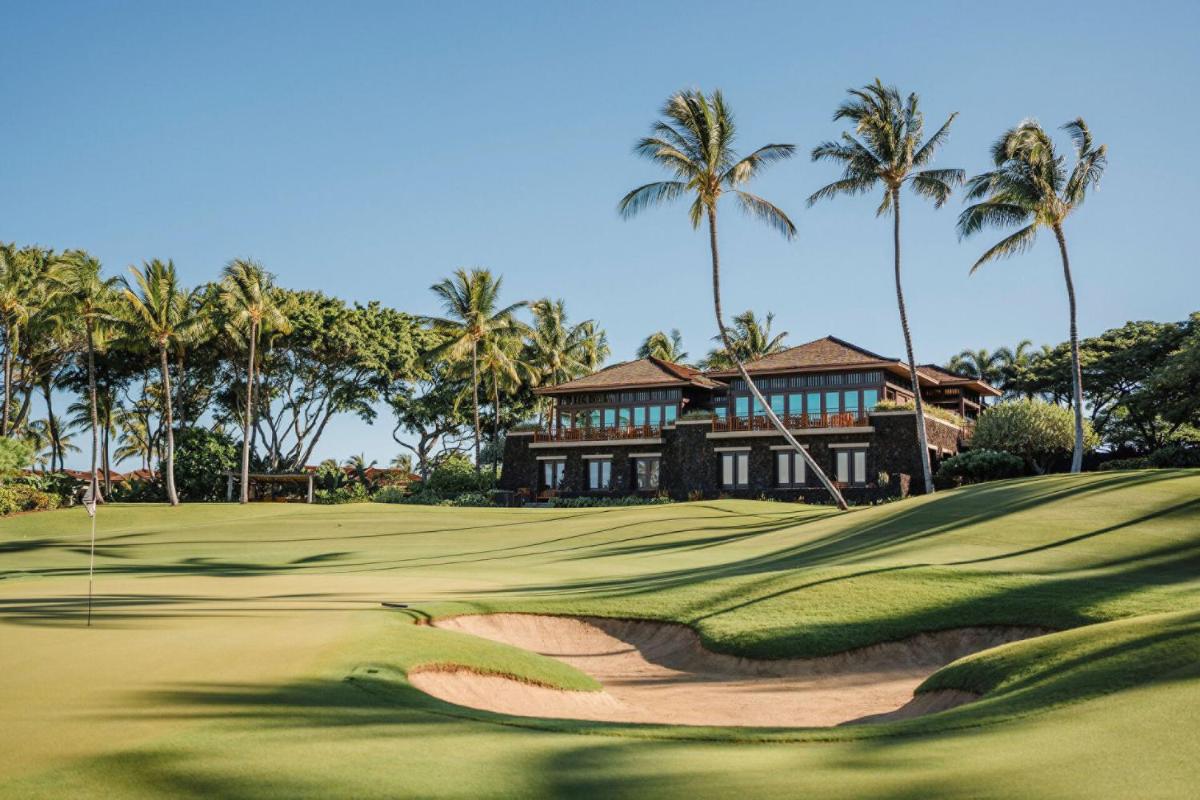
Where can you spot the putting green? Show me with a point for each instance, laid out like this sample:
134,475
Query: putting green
243,651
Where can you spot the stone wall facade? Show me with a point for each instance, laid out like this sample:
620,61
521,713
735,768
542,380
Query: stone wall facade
690,465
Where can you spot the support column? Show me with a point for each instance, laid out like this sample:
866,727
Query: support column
310,488
229,487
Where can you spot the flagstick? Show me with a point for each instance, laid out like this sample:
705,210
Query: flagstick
91,509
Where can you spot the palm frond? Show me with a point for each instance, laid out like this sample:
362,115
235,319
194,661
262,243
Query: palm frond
990,214
651,194
767,212
1018,242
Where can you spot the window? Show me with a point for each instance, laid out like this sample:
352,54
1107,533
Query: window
655,415
870,398
623,417
599,474
735,469
777,404
790,469
594,418
832,402
796,404
669,413
639,416
645,473
552,474
720,412
564,421
851,466
850,402
610,418
812,401
741,407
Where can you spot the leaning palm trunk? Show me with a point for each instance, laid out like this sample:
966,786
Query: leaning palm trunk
495,430
169,466
7,383
1076,370
918,403
249,422
56,454
762,401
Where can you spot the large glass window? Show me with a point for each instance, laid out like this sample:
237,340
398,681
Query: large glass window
758,408
790,469
610,417
639,416
552,474
720,412
870,399
564,421
778,404
623,417
851,466
795,404
832,402
656,415
850,402
812,402
735,469
599,474
741,407
645,471
669,414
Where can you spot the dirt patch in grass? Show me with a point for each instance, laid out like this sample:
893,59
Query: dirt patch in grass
654,672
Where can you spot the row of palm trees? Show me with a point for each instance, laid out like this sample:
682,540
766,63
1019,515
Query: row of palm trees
884,150
66,299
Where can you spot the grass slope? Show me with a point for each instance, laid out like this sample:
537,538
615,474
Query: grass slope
242,651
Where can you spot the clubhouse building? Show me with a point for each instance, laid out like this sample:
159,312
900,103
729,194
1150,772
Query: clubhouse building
653,427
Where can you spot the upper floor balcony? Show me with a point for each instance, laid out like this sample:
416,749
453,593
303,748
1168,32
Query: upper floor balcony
840,419
599,434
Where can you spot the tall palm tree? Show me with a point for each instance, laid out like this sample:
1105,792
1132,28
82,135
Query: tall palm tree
694,141
664,346
1030,187
887,151
751,341
248,297
595,345
1016,361
93,299
981,364
19,284
505,372
470,302
160,315
556,350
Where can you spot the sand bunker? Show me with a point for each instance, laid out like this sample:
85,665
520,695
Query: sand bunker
660,673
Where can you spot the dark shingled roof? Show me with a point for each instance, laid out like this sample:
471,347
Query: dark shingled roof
644,373
817,354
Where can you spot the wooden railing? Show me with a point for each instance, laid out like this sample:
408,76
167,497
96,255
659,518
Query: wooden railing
599,434
844,419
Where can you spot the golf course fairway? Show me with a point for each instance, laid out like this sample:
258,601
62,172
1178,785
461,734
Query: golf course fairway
243,651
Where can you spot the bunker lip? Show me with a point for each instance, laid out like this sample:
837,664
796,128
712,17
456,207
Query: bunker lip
657,672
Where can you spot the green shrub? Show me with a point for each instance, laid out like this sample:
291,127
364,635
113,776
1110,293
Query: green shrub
455,475
472,499
20,496
1038,432
201,456
391,494
349,493
937,412
606,502
976,466
1171,456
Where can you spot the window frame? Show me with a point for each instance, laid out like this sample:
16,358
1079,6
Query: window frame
740,468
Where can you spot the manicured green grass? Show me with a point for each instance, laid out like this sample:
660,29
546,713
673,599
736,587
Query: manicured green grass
243,651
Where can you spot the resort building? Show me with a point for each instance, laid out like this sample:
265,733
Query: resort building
653,427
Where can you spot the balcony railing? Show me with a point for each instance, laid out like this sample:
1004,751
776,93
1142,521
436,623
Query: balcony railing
844,419
599,434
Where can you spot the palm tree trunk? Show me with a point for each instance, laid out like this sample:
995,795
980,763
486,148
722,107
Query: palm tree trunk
475,390
7,383
93,479
779,426
1076,370
495,429
245,487
172,495
56,454
918,403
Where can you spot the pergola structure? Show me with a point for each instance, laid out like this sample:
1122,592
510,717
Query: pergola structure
269,478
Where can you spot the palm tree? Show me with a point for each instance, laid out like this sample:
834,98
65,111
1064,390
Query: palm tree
694,141
92,299
470,303
160,315
247,294
981,364
1016,361
19,283
556,351
751,341
886,150
1030,187
664,346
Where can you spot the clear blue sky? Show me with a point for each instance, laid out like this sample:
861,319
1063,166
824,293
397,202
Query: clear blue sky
367,149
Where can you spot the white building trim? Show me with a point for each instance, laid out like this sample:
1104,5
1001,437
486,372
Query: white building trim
732,449
597,457
849,444
799,432
614,443
551,458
